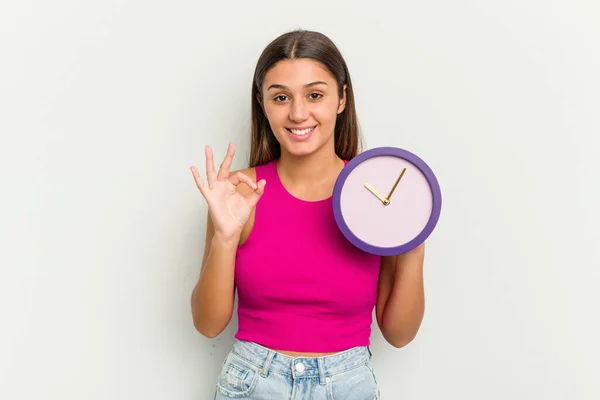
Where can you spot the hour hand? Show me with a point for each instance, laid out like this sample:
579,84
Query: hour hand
380,197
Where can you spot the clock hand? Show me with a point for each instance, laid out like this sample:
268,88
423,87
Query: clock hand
396,184
380,197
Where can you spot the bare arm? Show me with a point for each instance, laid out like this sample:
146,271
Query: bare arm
401,298
230,206
214,294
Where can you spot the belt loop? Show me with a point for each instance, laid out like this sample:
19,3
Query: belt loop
369,350
321,365
265,368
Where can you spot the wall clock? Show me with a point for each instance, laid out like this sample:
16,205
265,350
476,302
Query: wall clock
386,201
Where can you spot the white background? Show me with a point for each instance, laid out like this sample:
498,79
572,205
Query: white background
104,105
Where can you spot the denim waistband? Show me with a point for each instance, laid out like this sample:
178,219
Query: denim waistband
307,367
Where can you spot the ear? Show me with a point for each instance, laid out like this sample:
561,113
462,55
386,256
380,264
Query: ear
342,105
259,99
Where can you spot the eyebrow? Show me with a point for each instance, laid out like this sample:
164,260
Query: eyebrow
278,86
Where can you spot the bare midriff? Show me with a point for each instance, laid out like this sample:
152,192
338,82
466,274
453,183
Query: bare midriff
303,354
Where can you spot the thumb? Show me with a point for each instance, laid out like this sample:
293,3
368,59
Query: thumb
257,193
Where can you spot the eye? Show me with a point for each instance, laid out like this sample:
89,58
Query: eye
280,98
315,96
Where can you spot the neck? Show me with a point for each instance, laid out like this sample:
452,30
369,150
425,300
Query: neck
309,169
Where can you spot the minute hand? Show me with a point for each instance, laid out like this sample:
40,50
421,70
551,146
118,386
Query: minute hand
396,184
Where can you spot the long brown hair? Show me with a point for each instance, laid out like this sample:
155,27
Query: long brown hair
264,146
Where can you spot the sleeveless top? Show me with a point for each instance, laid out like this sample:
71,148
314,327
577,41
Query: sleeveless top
301,285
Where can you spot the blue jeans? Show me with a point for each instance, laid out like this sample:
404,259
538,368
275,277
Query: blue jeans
253,372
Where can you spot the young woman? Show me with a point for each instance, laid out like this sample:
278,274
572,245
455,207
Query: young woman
305,294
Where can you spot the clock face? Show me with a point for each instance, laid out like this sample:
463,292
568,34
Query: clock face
386,201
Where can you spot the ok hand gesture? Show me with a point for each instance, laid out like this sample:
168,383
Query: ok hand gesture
228,209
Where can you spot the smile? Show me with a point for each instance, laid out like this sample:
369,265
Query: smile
301,132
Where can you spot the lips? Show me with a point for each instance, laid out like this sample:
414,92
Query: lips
301,134
301,131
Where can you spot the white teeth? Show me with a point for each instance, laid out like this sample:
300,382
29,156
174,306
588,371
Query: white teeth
302,132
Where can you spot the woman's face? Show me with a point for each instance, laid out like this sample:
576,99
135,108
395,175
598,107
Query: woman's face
300,99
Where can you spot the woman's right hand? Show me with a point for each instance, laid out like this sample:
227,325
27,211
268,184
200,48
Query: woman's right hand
228,209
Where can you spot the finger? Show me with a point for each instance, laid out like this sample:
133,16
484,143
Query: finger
199,182
253,198
239,178
226,164
211,175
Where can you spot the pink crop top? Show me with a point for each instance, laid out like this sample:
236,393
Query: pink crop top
302,286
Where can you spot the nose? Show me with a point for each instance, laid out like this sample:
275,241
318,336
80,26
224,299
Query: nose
299,111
